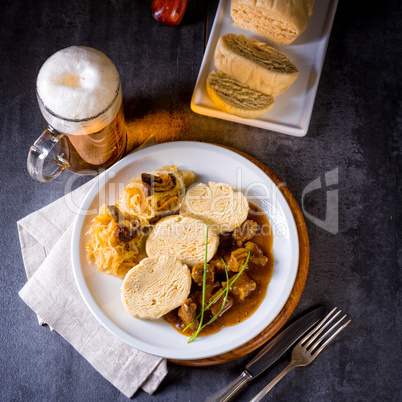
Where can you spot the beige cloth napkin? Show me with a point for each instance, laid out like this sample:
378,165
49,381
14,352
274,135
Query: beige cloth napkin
51,292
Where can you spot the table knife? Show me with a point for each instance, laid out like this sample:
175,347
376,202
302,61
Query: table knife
270,354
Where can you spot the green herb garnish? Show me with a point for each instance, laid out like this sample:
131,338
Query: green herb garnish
224,299
226,290
204,280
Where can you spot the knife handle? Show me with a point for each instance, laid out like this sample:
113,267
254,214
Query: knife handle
231,389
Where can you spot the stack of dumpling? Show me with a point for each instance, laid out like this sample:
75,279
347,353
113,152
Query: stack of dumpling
162,281
250,72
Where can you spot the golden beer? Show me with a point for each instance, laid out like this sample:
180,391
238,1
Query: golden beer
79,95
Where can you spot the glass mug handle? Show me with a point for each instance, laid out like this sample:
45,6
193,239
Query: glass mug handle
44,163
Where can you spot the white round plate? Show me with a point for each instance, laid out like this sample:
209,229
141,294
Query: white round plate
101,292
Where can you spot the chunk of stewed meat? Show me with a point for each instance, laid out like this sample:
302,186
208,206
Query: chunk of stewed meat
218,264
218,303
257,257
188,312
242,287
226,243
245,232
197,273
237,259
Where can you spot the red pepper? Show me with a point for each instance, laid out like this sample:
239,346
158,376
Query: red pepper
168,12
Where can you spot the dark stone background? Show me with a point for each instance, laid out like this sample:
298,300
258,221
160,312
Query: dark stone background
355,127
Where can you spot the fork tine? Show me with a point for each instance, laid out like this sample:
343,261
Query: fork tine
317,334
312,334
323,336
312,350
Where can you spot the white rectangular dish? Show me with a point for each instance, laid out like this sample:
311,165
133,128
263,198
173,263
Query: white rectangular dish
292,111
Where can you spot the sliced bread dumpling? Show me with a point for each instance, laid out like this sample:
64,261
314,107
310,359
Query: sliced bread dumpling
219,203
236,98
280,21
254,63
155,286
183,237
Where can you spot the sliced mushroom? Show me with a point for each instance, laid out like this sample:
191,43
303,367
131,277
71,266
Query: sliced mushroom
126,230
158,184
115,212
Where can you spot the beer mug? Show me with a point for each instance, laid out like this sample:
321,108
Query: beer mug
79,95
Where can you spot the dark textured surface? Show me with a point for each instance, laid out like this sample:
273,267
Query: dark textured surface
355,127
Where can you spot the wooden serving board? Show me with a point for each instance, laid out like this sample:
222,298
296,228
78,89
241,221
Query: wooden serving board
301,277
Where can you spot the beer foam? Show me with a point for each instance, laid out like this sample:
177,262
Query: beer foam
77,83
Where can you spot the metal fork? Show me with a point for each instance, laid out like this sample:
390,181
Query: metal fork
309,347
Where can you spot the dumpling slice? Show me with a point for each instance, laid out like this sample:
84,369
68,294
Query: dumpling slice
219,203
155,286
183,237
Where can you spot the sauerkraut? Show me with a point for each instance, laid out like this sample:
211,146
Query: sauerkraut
141,204
107,251
134,204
